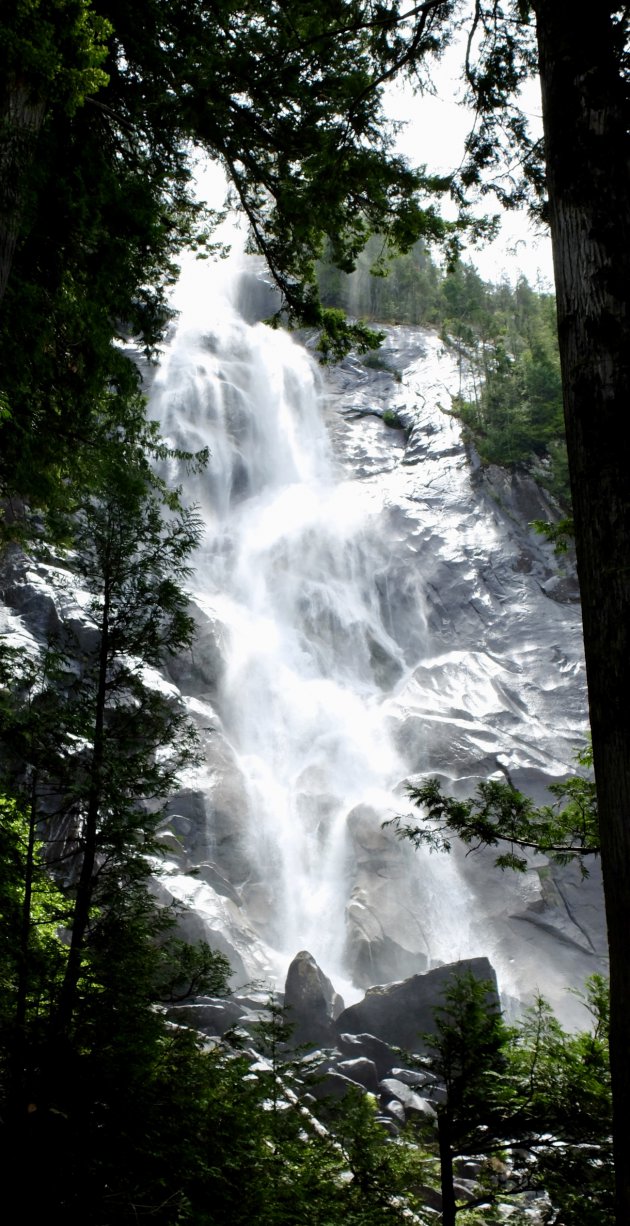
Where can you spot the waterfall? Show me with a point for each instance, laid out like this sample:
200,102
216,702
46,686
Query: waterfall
352,592
287,568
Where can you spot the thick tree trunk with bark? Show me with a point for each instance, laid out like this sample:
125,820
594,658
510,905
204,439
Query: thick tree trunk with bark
21,118
447,1188
585,113
85,885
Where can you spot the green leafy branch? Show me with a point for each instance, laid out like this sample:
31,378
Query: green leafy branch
565,830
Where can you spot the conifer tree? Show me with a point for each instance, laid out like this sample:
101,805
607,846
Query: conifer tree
529,1104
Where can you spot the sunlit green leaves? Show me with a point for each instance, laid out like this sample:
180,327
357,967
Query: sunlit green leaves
56,49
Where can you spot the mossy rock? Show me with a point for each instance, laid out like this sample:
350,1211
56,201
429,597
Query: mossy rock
391,419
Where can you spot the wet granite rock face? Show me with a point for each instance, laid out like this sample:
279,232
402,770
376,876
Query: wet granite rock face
494,684
378,860
199,670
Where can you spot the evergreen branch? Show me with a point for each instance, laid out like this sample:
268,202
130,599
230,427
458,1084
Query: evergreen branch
499,813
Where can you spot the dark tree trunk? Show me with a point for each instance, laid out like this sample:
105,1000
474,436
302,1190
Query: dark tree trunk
446,1170
21,117
585,113
26,918
17,1068
89,850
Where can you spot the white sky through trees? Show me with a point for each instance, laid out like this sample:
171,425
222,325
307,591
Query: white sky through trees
433,128
433,132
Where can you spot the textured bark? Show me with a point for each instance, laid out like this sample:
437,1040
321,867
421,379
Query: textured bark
21,118
85,885
449,1209
585,113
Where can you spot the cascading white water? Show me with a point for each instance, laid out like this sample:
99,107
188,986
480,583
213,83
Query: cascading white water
288,572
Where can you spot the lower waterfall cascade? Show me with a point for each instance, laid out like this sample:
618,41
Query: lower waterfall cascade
369,610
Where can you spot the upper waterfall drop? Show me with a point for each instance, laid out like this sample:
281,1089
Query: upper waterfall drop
351,594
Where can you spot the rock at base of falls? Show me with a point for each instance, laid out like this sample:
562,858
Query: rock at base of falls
401,1013
311,1001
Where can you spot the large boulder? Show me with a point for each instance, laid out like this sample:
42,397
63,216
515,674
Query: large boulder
362,1071
208,1015
368,1047
398,1091
311,1002
400,1013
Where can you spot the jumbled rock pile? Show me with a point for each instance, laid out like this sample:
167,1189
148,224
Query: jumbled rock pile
374,1046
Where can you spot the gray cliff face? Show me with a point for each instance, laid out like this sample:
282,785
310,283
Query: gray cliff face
494,683
372,607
